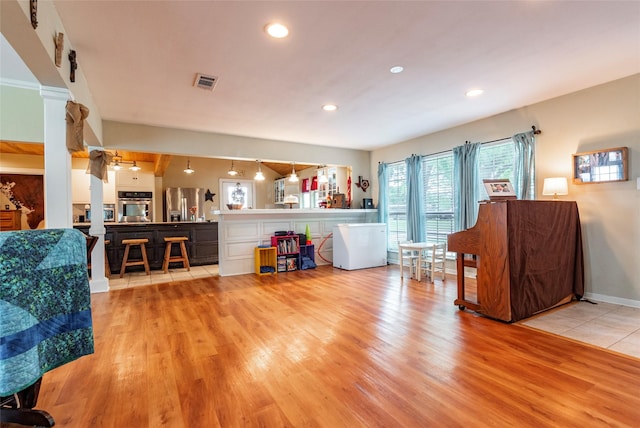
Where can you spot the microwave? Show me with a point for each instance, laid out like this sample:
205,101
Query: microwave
108,214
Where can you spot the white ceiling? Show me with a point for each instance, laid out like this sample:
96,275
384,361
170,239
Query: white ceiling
141,57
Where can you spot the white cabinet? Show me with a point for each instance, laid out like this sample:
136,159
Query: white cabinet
81,187
336,182
109,189
135,180
278,189
282,187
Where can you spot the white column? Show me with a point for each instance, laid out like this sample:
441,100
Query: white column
57,160
98,283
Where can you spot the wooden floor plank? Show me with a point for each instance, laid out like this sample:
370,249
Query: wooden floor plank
329,348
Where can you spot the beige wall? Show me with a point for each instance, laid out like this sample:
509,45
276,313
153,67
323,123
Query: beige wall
22,117
209,171
226,147
604,116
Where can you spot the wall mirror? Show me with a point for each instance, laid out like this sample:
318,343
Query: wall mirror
600,166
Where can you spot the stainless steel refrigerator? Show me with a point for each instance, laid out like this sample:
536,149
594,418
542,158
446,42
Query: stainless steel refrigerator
184,204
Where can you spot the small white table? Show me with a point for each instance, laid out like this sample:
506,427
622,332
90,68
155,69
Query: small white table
414,246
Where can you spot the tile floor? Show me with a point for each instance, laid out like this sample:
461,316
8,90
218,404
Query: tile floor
606,325
135,279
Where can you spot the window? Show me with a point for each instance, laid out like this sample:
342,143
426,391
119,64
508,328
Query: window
397,195
495,160
237,193
437,173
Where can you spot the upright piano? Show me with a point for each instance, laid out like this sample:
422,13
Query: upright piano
528,256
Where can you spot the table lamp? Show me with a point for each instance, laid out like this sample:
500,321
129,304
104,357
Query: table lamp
555,186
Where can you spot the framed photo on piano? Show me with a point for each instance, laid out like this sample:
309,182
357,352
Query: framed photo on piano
499,189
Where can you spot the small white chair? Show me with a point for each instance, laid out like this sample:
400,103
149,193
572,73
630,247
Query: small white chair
434,261
409,259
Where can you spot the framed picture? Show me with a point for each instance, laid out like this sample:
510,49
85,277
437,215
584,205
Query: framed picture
600,166
499,189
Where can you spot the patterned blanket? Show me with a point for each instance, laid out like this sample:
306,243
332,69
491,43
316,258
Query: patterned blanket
45,304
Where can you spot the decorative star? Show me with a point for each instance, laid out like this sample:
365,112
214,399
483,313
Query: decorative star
208,196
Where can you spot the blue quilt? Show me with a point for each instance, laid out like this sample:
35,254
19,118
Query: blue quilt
45,304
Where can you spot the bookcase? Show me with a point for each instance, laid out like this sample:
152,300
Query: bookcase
291,254
288,252
307,252
266,260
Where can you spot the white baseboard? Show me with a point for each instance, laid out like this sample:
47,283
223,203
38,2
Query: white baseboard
99,285
613,300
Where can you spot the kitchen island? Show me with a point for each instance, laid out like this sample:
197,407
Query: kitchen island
202,246
242,230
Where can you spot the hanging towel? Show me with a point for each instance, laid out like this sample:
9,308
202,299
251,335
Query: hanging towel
76,114
99,160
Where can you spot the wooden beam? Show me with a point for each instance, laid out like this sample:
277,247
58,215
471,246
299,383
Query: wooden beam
161,163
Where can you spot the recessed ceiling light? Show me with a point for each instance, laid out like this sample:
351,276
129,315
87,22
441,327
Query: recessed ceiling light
277,30
474,92
396,69
329,107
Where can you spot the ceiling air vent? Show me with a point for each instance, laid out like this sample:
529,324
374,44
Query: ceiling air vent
205,82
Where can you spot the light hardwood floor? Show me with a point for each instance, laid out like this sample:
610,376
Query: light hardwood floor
328,348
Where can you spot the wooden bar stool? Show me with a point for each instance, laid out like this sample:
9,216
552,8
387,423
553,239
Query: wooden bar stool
125,259
107,268
183,257
91,243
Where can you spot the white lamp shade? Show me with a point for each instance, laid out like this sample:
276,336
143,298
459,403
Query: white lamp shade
555,186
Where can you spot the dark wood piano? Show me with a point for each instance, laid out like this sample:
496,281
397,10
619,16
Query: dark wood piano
528,256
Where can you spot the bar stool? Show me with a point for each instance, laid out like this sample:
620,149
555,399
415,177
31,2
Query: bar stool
125,259
183,257
107,267
91,243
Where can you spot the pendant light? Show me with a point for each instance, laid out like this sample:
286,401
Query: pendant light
116,161
188,169
259,175
322,178
232,172
293,178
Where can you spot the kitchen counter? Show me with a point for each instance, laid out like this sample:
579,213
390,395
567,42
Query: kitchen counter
242,230
111,223
301,211
202,246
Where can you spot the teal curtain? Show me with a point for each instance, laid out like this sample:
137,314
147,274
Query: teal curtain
383,197
465,173
415,206
524,164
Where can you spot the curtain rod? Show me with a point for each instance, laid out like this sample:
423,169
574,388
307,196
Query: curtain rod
535,132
